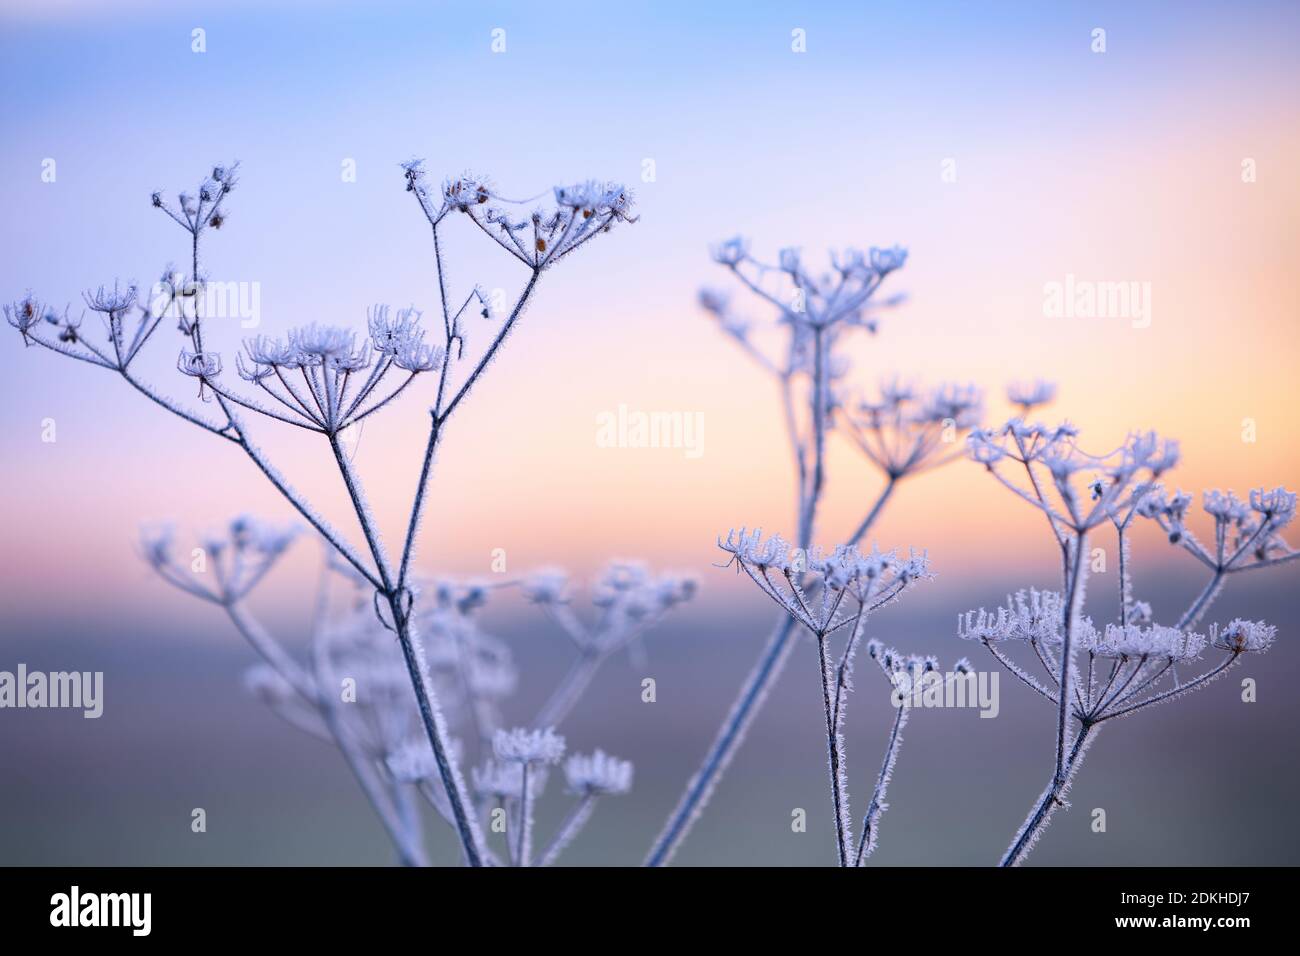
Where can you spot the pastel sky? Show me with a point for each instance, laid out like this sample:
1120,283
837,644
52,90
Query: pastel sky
1125,165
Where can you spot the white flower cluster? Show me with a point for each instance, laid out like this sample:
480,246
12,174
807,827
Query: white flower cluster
1133,641
505,781
1029,615
239,556
1028,395
906,430
598,773
1239,636
872,580
839,296
1246,533
522,745
582,212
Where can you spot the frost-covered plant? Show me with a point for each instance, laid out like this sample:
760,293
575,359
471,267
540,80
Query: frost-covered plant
905,432
628,601
826,594
1099,672
374,720
324,379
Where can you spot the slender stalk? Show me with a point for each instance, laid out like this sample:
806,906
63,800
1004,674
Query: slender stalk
874,513
401,829
272,652
569,829
1125,587
566,695
430,715
524,846
435,729
1193,613
1067,653
440,415
723,750
871,820
1175,691
1041,813
839,787
770,664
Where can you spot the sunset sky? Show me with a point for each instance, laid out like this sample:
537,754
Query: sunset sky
1117,166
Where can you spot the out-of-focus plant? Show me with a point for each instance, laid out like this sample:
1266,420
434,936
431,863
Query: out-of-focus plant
355,691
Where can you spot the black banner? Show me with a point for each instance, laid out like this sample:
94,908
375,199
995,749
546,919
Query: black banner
338,905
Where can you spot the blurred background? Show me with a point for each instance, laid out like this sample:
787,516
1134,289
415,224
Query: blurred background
1125,165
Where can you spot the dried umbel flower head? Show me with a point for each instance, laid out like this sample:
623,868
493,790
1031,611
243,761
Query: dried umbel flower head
411,762
1246,533
539,239
333,389
252,534
791,578
547,586
806,299
115,301
199,364
24,315
1089,489
1240,636
1276,507
195,211
1133,640
905,431
233,560
627,590
1029,615
629,600
598,774
1029,395
522,745
502,781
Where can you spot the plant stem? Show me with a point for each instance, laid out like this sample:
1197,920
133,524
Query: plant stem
874,513
839,788
561,702
1193,613
430,715
871,820
728,740
769,666
1067,654
1042,811
524,851
574,822
435,729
